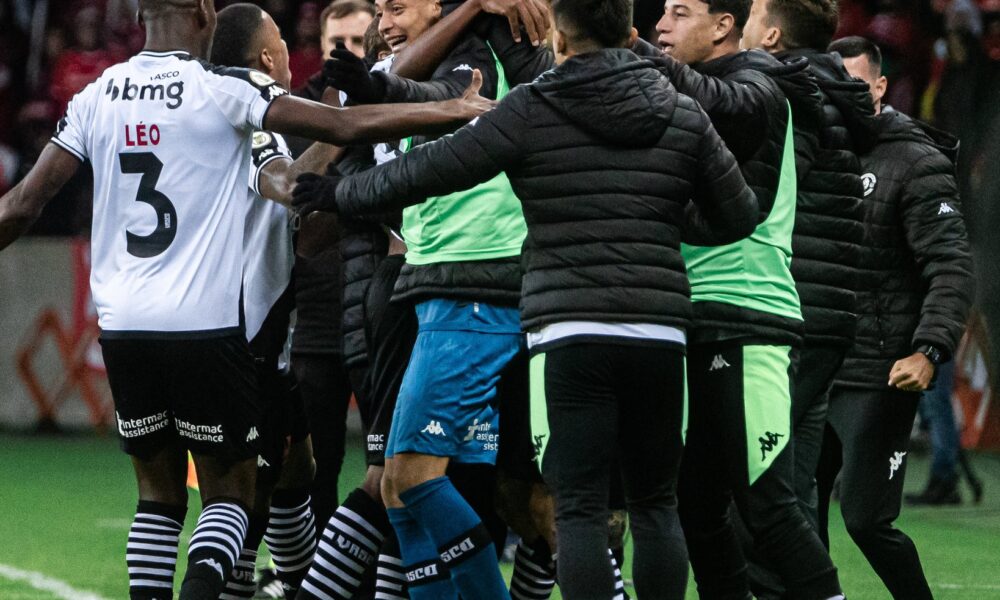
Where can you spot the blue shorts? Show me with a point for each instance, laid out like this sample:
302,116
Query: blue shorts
447,404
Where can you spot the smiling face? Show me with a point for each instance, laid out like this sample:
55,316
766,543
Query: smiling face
400,21
688,32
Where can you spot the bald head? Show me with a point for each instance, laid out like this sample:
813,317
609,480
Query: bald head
154,8
178,25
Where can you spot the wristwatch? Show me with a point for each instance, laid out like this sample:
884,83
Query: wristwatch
932,353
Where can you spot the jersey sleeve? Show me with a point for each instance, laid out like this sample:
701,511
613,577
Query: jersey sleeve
72,129
267,148
243,95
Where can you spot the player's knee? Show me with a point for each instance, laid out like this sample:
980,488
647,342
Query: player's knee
863,528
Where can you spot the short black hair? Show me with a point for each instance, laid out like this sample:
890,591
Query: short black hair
855,46
237,35
607,23
740,9
804,23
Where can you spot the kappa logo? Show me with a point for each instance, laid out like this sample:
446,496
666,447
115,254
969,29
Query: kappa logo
895,461
718,363
868,183
433,428
261,463
212,563
945,209
767,443
253,434
462,67
538,442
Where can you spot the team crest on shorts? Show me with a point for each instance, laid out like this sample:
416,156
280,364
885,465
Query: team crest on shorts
868,182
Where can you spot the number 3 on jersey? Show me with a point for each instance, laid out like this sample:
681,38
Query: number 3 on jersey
147,246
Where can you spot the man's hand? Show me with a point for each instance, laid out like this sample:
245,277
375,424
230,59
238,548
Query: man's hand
912,374
533,15
350,74
316,192
470,104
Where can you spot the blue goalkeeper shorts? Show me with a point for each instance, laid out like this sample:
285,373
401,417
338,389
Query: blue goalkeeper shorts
447,404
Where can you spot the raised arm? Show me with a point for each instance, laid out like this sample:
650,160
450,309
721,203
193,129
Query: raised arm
21,206
422,56
722,209
474,154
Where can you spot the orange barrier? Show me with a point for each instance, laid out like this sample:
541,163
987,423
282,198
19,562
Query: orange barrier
975,375
79,352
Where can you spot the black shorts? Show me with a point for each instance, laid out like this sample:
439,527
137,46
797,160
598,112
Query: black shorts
202,393
284,421
516,457
390,332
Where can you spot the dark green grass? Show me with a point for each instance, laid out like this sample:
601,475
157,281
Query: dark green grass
67,504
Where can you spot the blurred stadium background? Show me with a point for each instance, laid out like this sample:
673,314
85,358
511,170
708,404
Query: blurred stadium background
67,493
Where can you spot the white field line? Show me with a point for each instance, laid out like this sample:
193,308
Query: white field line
40,581
966,586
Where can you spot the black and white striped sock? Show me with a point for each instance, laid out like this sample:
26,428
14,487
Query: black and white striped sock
347,549
214,548
291,535
241,583
534,571
151,553
390,578
619,580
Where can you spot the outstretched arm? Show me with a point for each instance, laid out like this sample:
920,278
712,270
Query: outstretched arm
370,124
21,206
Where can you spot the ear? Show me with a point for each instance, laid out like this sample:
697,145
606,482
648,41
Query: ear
724,25
633,37
881,85
266,61
202,13
559,43
771,38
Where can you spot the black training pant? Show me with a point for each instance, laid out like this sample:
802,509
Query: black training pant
867,441
813,377
737,451
601,398
326,393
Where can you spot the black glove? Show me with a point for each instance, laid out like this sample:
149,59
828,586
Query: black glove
350,74
315,193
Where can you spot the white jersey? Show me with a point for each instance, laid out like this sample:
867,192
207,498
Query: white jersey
267,254
169,138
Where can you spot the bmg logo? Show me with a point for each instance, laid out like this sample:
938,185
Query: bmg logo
172,93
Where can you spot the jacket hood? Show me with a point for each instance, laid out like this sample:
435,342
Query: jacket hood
800,89
612,94
851,96
894,126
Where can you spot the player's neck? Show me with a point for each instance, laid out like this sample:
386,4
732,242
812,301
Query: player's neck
170,35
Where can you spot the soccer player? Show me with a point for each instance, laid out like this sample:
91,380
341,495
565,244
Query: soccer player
246,36
747,318
169,138
911,319
608,347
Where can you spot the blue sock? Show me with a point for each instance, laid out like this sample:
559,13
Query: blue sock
427,577
462,541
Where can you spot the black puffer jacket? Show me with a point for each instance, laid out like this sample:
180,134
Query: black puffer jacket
829,234
917,254
604,155
748,96
363,245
